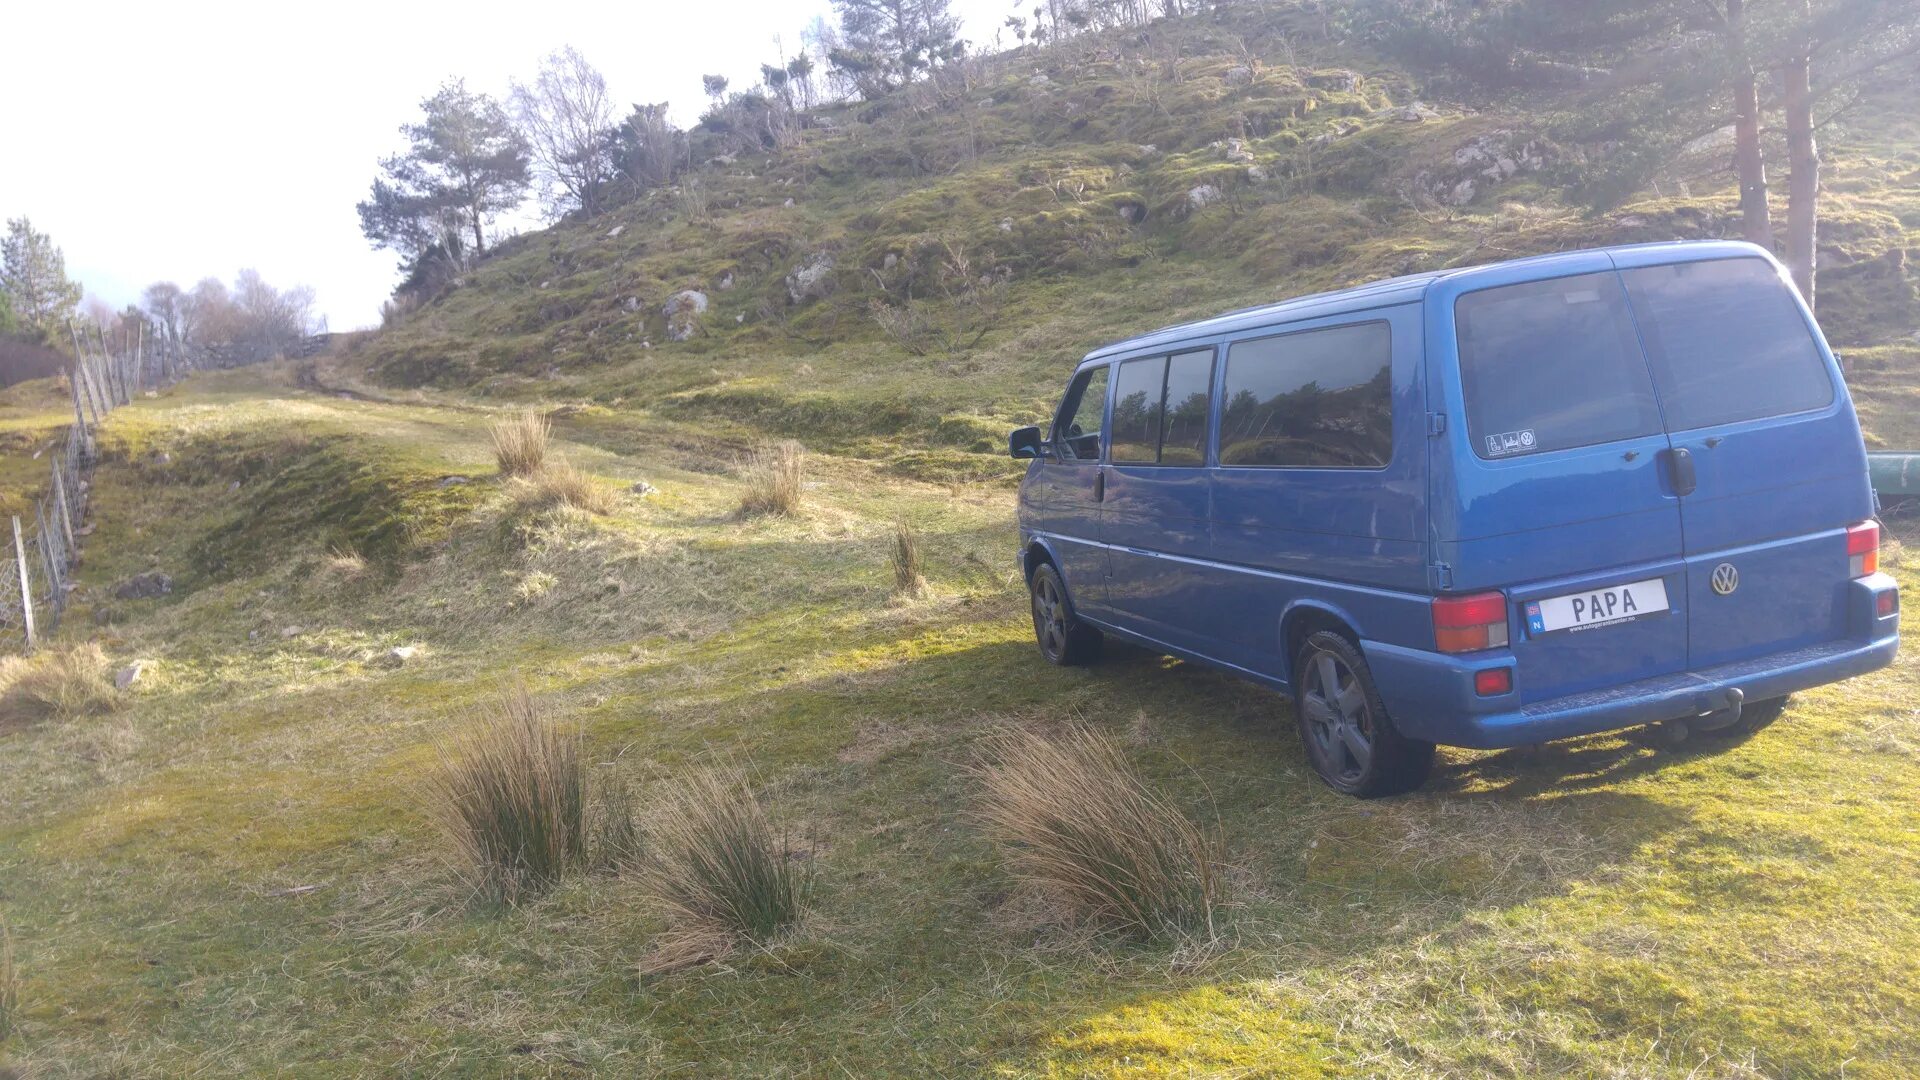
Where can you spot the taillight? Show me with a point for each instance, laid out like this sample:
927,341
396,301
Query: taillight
1470,623
1863,549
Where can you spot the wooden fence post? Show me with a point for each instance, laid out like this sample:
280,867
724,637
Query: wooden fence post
26,590
80,363
50,558
62,507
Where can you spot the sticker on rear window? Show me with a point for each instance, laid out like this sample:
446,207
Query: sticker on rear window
1510,442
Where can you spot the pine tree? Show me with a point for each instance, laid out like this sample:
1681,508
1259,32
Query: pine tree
887,43
33,274
466,164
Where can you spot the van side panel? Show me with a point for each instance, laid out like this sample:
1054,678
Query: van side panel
1320,530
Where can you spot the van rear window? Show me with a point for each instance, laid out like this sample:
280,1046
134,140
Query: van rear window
1726,342
1550,365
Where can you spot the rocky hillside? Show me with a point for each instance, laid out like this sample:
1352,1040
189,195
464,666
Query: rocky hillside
923,268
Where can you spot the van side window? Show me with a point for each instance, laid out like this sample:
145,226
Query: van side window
1076,433
1136,411
1320,399
1189,389
1550,365
1726,342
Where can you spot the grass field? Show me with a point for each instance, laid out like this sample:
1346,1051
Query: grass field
230,872
233,869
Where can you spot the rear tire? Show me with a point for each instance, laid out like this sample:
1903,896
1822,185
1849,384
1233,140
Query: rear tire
1350,738
1064,640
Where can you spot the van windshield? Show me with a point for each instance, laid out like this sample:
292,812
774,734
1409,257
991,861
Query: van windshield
1550,365
1726,342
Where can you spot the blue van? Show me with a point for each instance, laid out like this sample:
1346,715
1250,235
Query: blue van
1482,507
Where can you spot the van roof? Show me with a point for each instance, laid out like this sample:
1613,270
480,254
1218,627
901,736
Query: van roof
1397,290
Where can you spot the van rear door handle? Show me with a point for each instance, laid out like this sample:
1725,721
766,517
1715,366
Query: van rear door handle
1680,470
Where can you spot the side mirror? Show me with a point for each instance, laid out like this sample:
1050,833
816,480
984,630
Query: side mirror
1024,442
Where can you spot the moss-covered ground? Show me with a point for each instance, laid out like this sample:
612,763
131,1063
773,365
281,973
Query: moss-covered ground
231,873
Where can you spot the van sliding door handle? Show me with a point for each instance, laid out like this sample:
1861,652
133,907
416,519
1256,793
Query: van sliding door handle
1100,484
1680,470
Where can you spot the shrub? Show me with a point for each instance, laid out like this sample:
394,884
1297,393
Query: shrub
9,985
520,443
774,479
717,866
1084,830
558,483
511,795
57,683
908,580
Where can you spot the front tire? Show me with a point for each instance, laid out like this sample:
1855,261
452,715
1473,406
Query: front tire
1064,640
1350,739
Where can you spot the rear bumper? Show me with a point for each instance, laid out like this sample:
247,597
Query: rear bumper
1431,695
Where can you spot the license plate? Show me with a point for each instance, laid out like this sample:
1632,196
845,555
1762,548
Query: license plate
1595,608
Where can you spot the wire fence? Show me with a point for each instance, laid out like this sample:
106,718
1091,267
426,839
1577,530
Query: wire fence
44,549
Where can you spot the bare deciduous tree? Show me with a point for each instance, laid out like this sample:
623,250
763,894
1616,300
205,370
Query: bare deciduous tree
568,119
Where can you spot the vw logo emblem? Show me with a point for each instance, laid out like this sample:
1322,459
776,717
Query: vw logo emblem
1725,579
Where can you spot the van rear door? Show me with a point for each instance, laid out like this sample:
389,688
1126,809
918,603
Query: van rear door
1556,490
1764,443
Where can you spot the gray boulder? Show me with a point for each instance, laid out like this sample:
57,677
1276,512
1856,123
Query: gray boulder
1341,81
812,281
1482,164
1412,113
683,313
144,586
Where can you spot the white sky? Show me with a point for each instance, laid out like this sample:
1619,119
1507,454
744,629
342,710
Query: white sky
189,140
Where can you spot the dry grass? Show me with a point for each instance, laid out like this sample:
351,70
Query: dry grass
717,866
55,683
520,443
511,795
613,825
908,578
344,564
9,985
557,484
1087,833
774,479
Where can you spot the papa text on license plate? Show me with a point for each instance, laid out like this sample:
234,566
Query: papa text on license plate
1597,607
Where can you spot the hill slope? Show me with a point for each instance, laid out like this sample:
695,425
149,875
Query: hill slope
928,266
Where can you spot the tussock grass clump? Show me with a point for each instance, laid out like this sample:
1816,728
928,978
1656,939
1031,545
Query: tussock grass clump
774,484
614,825
57,683
511,794
558,483
520,443
717,865
1088,834
908,578
9,985
344,564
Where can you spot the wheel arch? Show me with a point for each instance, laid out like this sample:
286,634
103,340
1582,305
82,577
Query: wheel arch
1040,552
1304,618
